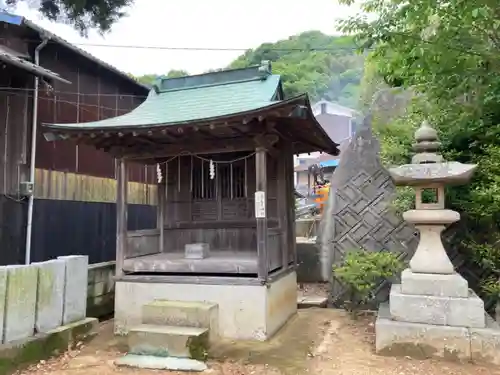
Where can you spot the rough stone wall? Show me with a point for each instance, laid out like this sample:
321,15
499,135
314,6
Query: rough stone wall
357,214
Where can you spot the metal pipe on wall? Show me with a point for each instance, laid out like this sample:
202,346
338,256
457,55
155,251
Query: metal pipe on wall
34,126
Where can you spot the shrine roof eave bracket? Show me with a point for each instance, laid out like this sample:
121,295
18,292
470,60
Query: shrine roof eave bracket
294,117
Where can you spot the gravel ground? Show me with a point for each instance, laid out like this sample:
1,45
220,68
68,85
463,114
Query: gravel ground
317,341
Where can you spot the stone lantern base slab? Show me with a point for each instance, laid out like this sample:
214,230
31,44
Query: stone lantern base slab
446,311
453,285
395,338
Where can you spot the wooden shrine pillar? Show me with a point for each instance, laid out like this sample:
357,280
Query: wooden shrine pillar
292,240
284,201
160,213
260,212
121,215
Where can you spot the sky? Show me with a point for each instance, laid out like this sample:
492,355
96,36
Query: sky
236,24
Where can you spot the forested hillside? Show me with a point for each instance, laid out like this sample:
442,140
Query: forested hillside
148,79
323,66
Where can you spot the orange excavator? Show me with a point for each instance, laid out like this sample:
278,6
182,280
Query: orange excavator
320,188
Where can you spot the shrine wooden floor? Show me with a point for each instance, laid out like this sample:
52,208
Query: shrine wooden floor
237,262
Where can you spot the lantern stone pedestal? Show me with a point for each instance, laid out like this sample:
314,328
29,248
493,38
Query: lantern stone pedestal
433,313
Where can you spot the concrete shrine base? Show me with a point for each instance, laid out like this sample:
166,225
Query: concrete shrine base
417,340
247,309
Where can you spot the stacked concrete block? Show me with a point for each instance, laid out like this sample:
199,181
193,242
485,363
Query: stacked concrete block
20,302
75,291
49,306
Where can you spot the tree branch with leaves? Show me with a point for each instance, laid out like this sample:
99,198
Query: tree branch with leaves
83,15
448,53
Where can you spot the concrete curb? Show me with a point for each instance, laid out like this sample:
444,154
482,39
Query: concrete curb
20,354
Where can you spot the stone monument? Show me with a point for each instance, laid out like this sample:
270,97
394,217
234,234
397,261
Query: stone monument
357,214
432,312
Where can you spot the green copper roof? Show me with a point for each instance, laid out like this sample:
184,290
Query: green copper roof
192,98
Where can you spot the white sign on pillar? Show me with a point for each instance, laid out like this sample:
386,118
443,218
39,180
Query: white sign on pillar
260,204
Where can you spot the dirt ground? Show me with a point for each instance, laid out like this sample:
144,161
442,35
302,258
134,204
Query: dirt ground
317,341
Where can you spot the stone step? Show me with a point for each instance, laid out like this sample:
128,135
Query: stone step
306,302
184,314
161,363
168,341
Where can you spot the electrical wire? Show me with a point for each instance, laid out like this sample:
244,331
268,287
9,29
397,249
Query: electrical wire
461,48
201,49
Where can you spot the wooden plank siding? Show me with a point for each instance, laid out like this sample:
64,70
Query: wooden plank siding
95,93
14,119
75,187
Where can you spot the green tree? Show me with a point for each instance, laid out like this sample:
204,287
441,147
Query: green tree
83,15
176,73
323,66
447,53
149,79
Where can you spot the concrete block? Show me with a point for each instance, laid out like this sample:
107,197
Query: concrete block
305,302
3,298
75,291
420,341
308,261
182,313
169,341
196,250
50,293
307,227
450,311
20,302
246,311
433,284
485,342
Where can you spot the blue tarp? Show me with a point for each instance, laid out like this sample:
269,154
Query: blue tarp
329,163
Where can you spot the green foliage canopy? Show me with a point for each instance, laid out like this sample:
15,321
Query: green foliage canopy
447,53
83,15
149,79
324,66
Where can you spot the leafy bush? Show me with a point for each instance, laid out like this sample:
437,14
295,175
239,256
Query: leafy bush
487,256
415,49
362,271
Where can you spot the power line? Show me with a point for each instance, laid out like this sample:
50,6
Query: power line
266,49
201,49
215,49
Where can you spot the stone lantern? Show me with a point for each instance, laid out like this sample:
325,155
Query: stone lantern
432,310
429,175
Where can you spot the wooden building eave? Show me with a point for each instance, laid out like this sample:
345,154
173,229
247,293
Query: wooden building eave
290,119
11,59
